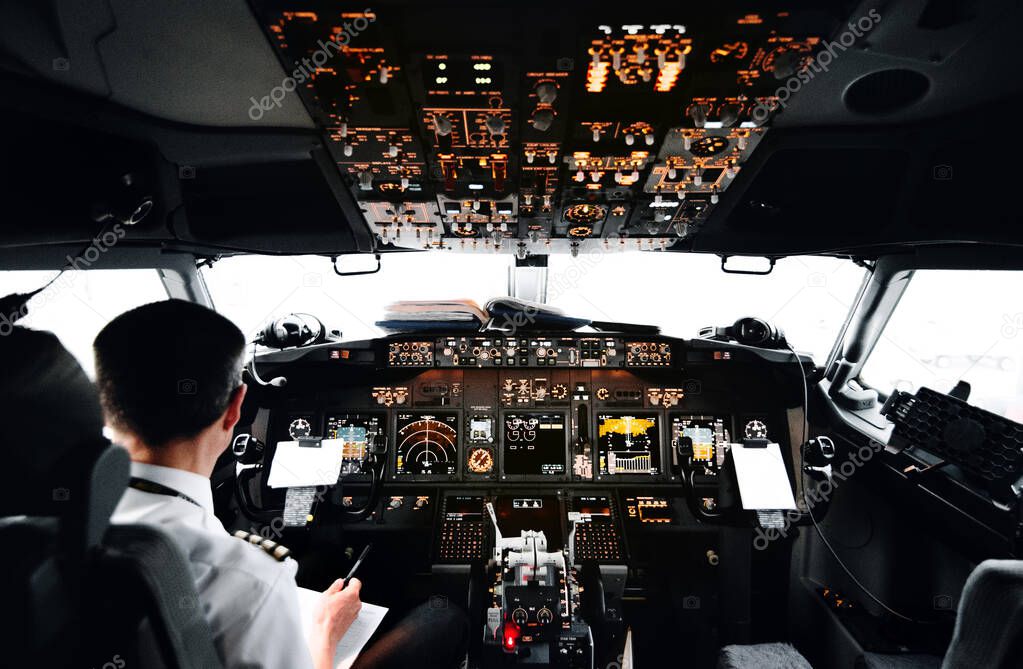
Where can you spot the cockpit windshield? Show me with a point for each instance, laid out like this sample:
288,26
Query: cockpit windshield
808,297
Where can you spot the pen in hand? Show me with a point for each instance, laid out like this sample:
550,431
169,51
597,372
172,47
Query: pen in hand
358,563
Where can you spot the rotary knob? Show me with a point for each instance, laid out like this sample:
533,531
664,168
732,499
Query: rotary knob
519,616
542,119
544,616
546,92
495,124
442,124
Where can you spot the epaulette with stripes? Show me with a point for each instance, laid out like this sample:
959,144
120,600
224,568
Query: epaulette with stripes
272,548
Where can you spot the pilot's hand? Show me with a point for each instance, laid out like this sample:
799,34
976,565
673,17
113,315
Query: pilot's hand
335,614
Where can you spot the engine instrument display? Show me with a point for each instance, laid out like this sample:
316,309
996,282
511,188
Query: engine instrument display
628,444
356,432
534,443
426,444
701,440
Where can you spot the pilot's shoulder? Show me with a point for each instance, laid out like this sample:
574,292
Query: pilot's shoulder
268,546
215,552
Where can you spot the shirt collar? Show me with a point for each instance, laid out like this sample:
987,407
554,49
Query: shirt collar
194,485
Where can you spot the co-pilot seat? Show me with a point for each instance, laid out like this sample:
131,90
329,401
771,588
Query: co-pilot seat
78,591
988,631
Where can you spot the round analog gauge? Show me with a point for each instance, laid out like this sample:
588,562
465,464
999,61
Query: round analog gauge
755,429
300,428
481,461
708,146
584,213
559,391
426,445
580,231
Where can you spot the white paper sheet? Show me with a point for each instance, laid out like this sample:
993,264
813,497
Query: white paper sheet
354,640
763,478
294,466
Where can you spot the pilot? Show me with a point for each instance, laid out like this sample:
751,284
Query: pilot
170,383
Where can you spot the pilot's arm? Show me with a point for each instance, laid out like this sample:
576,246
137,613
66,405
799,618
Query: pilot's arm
335,613
271,635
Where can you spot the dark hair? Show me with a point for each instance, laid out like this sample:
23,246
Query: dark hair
167,370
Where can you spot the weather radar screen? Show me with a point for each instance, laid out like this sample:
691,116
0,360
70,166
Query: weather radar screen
426,444
628,444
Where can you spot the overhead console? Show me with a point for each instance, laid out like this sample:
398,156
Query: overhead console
617,133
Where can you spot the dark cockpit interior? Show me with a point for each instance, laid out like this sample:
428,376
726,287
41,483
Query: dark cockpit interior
749,392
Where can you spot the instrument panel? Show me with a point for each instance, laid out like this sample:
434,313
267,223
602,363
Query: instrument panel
568,422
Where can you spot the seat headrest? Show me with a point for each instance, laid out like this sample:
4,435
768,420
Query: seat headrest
51,430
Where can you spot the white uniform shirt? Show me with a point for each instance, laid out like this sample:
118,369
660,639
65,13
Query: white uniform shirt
250,599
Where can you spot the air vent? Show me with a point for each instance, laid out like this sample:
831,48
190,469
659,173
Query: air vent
886,91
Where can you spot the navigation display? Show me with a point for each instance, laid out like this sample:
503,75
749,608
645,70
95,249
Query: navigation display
534,444
426,444
628,444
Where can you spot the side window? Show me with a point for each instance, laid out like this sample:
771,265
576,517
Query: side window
954,325
79,303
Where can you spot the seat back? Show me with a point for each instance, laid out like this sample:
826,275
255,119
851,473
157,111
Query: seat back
989,626
142,589
78,591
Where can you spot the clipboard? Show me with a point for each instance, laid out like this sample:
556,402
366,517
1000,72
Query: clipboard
298,464
762,477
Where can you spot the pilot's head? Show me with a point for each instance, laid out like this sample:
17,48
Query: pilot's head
170,380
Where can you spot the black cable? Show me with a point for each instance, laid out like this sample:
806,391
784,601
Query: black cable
692,490
373,497
809,508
